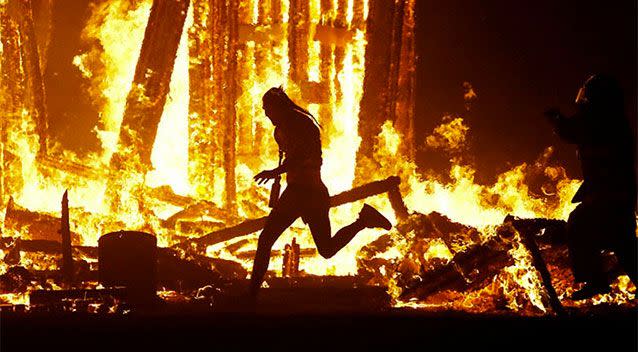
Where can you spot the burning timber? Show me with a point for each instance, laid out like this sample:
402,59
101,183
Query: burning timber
469,261
351,63
389,186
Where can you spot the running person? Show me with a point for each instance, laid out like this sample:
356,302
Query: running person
305,196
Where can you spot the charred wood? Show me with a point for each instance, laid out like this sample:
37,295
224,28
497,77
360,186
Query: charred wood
198,227
546,231
376,103
298,32
65,233
435,225
467,270
16,279
303,253
20,12
174,271
365,191
38,226
196,210
145,101
45,246
253,225
406,81
38,297
529,241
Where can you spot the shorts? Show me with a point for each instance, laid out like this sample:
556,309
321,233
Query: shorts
304,200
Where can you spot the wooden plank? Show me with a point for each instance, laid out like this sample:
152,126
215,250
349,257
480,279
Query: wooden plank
253,225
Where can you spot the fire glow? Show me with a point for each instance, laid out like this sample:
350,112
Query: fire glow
213,137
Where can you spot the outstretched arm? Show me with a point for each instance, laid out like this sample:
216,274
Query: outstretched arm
571,129
266,175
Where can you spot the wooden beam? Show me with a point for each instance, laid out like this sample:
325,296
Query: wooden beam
145,101
376,106
22,13
225,27
406,82
541,267
298,32
204,143
253,225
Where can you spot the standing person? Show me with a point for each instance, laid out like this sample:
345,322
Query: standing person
305,196
606,215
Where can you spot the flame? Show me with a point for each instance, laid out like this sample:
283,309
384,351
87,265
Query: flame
116,29
170,152
119,28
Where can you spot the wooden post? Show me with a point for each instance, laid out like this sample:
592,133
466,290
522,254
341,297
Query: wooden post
145,101
226,63
339,50
298,32
21,11
406,83
395,58
358,16
375,105
21,91
326,67
204,141
65,232
541,267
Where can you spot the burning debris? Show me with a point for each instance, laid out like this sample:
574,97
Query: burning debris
178,126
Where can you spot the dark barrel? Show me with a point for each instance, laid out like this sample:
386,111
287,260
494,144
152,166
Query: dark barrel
129,258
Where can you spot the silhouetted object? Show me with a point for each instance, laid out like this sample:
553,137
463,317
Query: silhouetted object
605,217
291,259
129,259
305,196
65,233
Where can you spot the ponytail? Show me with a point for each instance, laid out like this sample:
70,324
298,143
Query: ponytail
276,95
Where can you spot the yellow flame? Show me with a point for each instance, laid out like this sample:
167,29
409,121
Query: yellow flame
170,151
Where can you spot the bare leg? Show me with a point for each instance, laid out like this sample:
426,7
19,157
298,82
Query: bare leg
320,228
276,224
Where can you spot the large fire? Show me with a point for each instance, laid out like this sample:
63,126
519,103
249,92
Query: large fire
193,163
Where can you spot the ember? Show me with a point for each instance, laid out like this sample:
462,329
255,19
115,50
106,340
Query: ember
179,133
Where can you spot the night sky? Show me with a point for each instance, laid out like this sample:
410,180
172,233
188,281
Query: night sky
520,57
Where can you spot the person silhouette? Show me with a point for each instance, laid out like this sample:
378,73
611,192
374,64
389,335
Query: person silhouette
298,136
606,215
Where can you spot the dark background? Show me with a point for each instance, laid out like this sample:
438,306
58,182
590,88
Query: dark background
521,57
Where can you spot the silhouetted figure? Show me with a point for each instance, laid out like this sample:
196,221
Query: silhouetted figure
305,196
606,215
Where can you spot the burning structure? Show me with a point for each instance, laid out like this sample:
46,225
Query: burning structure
176,89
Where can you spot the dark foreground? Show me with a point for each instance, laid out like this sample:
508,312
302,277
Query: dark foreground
392,329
